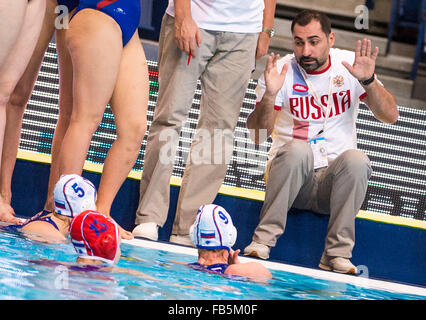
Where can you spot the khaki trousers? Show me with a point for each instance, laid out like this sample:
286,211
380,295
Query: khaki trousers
223,64
338,190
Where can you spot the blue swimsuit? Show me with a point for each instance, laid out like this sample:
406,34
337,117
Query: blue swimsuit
126,13
71,4
42,216
217,267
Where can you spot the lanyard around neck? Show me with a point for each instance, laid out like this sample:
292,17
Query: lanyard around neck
317,97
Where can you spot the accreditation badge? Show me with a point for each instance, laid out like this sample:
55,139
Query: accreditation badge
319,151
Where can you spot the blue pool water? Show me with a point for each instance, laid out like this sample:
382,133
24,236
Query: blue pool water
35,270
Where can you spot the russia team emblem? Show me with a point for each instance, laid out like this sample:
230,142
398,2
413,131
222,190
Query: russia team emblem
338,81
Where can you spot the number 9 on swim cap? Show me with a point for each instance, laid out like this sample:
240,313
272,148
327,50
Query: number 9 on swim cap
213,228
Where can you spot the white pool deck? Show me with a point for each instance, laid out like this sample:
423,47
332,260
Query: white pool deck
362,281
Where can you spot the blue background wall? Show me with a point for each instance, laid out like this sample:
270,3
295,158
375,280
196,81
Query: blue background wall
390,252
150,23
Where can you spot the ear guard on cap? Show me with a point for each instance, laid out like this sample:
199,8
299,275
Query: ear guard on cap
232,236
213,228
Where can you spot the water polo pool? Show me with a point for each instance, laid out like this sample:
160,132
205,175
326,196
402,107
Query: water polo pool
34,270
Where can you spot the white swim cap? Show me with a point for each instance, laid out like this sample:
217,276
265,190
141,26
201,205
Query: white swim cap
74,194
213,228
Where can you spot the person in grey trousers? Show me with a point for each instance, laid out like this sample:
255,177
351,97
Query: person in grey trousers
308,101
216,42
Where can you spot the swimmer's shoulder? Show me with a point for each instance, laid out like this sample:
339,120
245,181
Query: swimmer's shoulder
248,269
43,229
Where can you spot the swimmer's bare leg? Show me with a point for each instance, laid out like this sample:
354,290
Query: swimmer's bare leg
12,14
129,104
95,46
11,71
65,111
18,101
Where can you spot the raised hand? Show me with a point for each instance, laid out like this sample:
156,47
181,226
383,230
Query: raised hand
365,60
274,80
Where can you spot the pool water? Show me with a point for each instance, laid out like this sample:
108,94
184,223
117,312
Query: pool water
34,270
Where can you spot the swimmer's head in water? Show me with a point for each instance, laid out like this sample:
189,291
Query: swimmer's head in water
95,237
213,228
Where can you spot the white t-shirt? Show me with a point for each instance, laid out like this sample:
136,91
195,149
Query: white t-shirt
243,16
302,117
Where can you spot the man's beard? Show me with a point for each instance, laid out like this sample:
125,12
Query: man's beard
313,64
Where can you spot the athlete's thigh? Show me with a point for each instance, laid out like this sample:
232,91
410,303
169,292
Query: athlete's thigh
130,98
94,44
23,49
12,15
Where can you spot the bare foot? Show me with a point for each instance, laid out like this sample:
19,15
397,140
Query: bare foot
126,235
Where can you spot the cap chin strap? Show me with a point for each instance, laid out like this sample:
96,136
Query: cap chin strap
82,252
192,235
84,256
87,204
232,236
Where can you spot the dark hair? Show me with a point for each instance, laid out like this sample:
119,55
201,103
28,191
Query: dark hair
209,250
304,17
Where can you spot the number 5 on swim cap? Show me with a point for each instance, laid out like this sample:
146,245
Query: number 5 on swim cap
74,194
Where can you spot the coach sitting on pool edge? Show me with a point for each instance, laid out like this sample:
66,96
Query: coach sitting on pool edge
309,102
